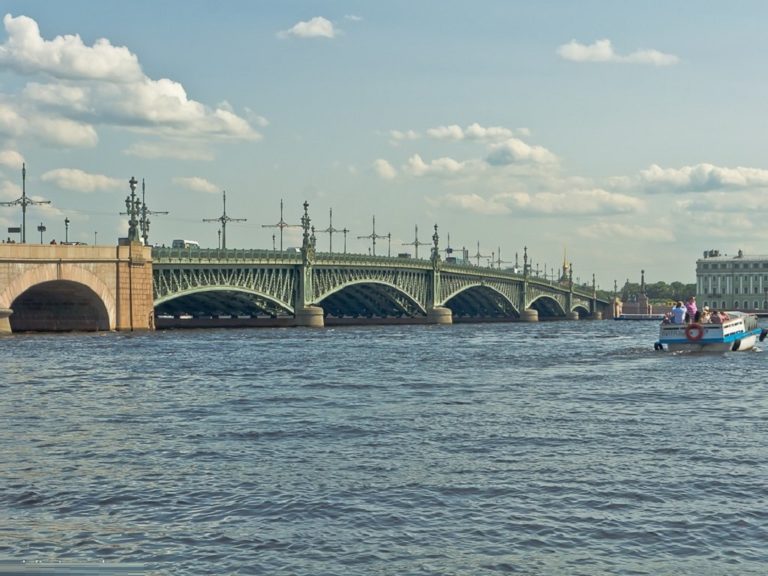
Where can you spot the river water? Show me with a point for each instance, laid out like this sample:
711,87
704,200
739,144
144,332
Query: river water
550,448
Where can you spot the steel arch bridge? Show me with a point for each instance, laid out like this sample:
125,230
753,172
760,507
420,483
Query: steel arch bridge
266,283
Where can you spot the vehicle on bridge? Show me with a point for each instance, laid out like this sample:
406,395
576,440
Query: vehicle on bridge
740,332
185,244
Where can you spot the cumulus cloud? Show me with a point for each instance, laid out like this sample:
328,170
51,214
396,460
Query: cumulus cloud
79,181
475,131
99,85
317,27
575,202
592,201
514,151
477,204
452,132
438,167
65,56
602,51
603,230
196,184
384,169
701,178
11,159
398,136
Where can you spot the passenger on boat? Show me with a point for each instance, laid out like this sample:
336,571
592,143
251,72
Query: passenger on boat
690,307
706,315
718,317
678,313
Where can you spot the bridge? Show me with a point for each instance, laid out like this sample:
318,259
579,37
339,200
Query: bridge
133,287
314,289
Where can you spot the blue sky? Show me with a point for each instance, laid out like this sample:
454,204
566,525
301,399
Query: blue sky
628,136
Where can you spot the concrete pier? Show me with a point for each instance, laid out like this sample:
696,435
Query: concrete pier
310,316
439,315
529,315
5,323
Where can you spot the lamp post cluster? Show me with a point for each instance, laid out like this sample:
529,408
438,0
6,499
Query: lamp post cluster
24,201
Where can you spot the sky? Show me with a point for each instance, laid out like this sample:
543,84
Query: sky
617,136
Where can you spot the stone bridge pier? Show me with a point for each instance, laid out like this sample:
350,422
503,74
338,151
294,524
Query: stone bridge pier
75,288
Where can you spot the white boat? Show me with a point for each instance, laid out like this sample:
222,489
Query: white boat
737,334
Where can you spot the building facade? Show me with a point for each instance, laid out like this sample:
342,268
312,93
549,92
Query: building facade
732,282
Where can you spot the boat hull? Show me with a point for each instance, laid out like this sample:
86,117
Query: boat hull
738,334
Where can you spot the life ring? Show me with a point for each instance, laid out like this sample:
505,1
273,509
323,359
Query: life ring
694,332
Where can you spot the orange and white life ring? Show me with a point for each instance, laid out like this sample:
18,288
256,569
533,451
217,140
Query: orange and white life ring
694,332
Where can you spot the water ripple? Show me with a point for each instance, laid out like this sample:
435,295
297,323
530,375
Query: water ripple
552,448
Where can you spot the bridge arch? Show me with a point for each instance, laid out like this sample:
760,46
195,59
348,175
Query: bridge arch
582,310
55,297
207,300
547,306
369,298
480,299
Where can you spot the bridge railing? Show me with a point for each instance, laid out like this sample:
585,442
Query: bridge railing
214,255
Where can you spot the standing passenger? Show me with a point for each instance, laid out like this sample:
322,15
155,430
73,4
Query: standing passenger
690,307
678,313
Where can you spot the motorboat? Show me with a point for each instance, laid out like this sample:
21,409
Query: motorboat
738,333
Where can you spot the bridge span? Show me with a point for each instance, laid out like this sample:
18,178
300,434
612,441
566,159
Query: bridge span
315,289
132,287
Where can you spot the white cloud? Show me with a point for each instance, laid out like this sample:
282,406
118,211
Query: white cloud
602,51
701,178
572,203
317,27
11,159
592,201
614,230
400,136
452,132
79,181
196,184
65,56
352,18
384,169
63,131
477,204
99,85
438,167
474,131
514,151
491,133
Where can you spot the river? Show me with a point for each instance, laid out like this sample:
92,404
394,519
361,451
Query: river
550,448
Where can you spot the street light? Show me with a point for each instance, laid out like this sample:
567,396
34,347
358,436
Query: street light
41,229
66,230
95,235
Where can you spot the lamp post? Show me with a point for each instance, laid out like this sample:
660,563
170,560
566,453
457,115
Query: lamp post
95,236
41,229
66,230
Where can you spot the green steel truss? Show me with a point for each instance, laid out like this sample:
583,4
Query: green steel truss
359,285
